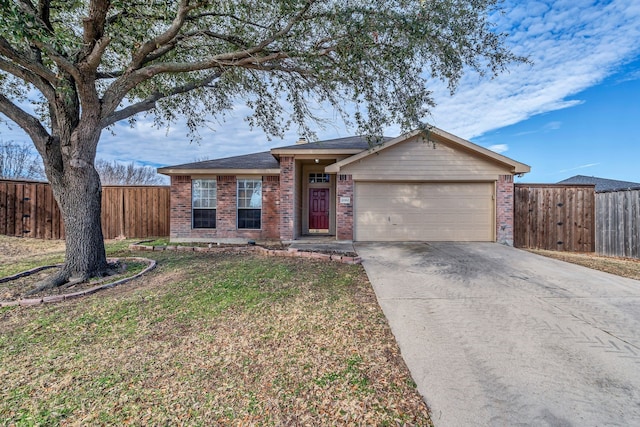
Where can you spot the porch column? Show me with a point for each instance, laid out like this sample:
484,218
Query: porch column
344,207
180,218
287,198
504,210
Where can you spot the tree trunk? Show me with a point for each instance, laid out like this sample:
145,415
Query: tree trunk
80,203
78,192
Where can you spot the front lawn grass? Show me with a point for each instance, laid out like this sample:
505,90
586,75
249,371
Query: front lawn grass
210,339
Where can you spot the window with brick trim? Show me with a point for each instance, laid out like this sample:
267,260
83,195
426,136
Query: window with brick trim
204,200
249,203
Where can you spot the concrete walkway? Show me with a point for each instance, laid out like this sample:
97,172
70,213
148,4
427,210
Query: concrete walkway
496,336
326,244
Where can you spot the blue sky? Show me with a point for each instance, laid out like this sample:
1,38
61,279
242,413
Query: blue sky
575,110
599,136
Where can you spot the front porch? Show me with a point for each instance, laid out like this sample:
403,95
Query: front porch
310,203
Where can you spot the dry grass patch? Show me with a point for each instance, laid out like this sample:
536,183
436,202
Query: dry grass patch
624,267
222,339
19,254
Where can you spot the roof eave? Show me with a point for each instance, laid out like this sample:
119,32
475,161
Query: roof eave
316,151
218,171
521,169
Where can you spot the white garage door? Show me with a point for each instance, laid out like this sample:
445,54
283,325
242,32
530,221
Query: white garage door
424,211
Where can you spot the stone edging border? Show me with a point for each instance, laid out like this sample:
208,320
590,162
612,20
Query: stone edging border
151,264
290,252
28,272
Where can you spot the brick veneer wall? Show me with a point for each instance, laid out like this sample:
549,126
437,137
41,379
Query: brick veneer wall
226,209
226,214
504,210
180,222
344,211
287,198
271,207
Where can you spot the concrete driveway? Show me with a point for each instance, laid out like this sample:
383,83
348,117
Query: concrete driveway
496,336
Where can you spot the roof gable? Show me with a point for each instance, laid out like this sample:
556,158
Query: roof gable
436,135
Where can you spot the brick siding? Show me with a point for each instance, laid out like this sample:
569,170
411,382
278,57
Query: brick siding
180,223
226,213
287,198
504,210
344,211
271,207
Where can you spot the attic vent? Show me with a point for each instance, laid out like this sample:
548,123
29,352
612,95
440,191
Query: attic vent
302,140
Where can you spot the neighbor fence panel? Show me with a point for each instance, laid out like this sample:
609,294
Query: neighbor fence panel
618,223
146,211
135,211
554,217
28,209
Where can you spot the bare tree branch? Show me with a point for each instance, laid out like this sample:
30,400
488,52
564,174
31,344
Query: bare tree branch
18,161
60,60
225,15
44,12
150,102
230,38
41,84
94,40
30,124
115,173
249,57
164,38
22,59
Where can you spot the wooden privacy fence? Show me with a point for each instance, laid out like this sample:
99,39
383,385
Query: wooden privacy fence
554,217
28,209
618,223
137,211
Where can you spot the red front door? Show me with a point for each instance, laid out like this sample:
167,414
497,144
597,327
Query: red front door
319,209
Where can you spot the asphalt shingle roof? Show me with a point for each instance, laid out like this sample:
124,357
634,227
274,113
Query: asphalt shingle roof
263,160
602,184
351,142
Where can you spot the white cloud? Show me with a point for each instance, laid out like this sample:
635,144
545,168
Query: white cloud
553,125
573,45
499,148
588,165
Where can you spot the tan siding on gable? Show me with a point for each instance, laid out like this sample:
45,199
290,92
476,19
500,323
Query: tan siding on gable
420,160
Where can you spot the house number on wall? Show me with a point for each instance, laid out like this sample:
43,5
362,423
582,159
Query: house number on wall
345,200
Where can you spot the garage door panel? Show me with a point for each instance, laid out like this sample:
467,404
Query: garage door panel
424,211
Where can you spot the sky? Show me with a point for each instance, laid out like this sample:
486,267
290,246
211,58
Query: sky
575,110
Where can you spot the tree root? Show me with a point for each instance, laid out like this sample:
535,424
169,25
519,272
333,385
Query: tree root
72,282
53,281
63,278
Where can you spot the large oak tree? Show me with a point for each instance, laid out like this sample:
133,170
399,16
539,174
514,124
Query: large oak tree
71,68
